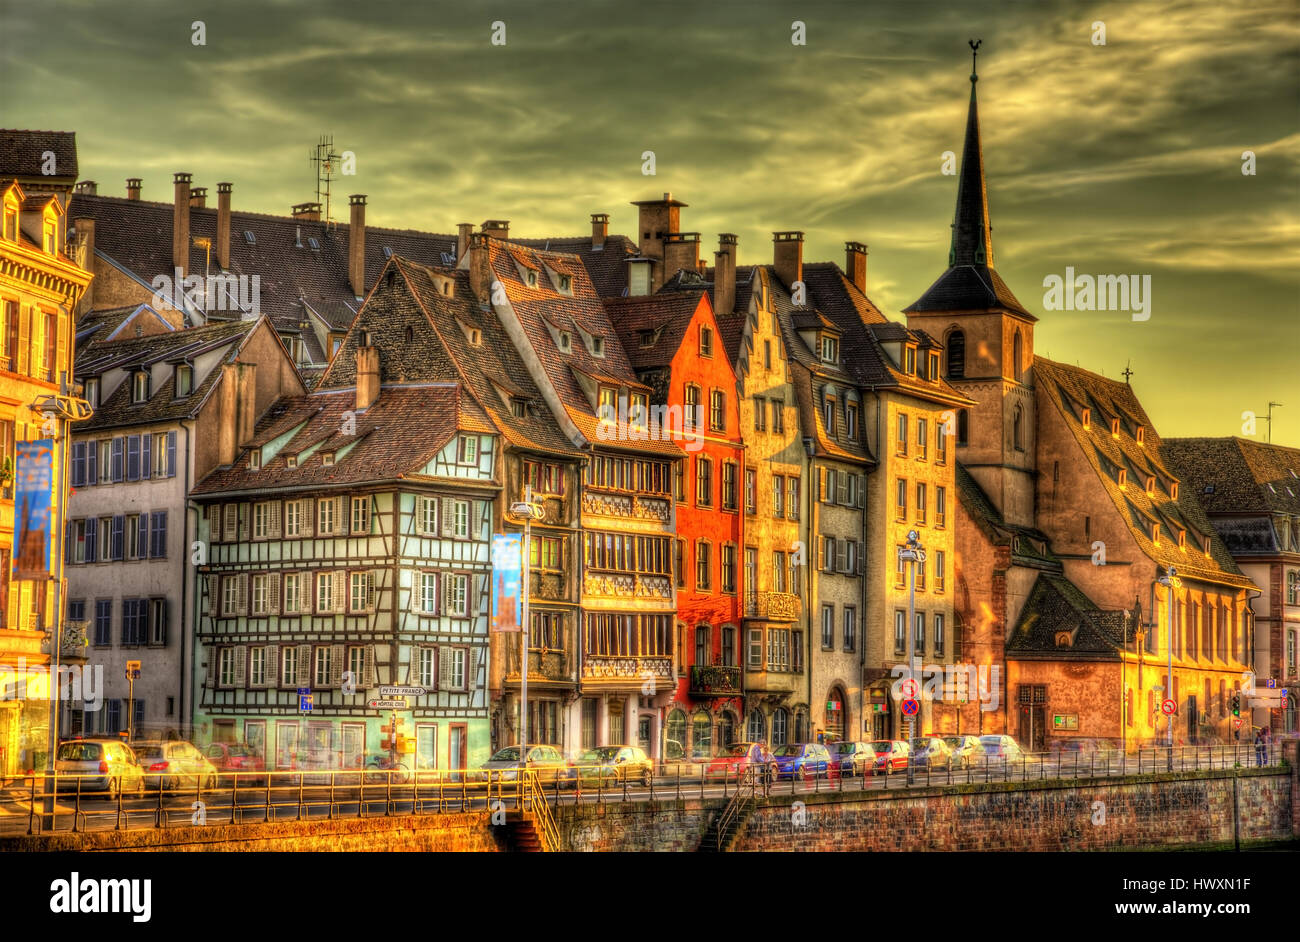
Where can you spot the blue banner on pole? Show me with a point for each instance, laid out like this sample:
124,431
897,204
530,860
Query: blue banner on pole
507,556
33,492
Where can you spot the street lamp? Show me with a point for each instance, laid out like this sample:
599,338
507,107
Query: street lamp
913,553
529,511
1170,581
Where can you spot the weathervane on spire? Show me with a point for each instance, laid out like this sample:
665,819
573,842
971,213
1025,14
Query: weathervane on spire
974,51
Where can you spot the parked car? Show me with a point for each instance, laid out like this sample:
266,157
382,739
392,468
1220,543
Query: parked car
98,765
236,757
174,764
547,761
853,758
736,759
966,750
1001,749
931,752
891,756
608,765
803,760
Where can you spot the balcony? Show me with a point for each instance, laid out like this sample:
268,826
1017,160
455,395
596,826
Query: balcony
627,674
778,683
715,681
773,606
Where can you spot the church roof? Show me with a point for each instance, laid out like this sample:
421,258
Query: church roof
1058,620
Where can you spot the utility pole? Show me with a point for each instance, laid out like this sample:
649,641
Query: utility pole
915,554
529,511
1172,582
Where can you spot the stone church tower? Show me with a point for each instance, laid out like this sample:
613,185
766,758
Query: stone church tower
988,339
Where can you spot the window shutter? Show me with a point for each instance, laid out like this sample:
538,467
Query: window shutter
119,449
229,523
214,599
444,595
843,494
160,533
305,678
274,511
244,517
862,490
340,521
92,463
841,556
417,579
471,601
477,661
308,516
447,517
272,664
337,653
340,577
821,553
67,542
78,464
142,536
212,667
133,457
821,484
273,593
241,594
171,454
444,667
368,666
241,665
146,455
119,535
372,589
92,538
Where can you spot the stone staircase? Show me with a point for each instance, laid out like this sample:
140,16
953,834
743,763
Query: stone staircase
521,834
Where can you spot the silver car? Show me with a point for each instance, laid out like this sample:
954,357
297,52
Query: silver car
98,765
174,764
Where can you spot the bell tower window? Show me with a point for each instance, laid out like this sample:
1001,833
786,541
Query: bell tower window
956,354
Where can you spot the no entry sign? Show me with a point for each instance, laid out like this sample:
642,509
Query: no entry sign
1168,708
910,707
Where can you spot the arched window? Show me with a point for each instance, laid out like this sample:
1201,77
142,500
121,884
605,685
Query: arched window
800,726
956,354
1017,428
1017,356
963,427
726,729
836,714
756,726
701,736
779,718
675,735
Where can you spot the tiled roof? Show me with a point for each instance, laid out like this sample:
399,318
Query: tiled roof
606,267
1070,390
1029,547
401,432
968,288
1056,605
22,152
666,316
1237,475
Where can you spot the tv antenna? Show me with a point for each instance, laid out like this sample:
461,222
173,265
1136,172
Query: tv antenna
1269,419
326,160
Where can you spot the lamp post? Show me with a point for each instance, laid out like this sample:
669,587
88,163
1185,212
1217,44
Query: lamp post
913,553
529,511
1171,581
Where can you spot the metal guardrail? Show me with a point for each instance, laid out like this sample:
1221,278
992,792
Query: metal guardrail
543,821
745,796
254,797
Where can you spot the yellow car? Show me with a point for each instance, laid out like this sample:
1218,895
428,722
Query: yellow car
613,765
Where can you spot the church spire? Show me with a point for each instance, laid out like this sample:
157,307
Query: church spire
972,240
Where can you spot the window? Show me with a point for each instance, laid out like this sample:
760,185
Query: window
963,427
703,482
639,411
703,655
900,439
909,360
729,495
934,367
792,502
257,667
920,502
547,631
922,438
706,341
956,355
778,571
778,416
828,627
940,568
940,506
139,387
1086,418
760,414
293,595
778,649
324,592
261,594
850,628
468,449
939,639
460,519
359,591
679,481
900,500
544,552
680,562
830,350
324,666
717,410
767,354
325,517
135,615
942,431
607,404
778,496
919,632
225,667
728,646
289,666
900,568
691,416
427,599
360,515
103,622
754,657
751,491
1017,357
1017,429
779,719
703,579
851,420
295,517
457,602
828,415
184,380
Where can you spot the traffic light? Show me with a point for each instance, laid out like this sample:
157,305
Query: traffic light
1236,704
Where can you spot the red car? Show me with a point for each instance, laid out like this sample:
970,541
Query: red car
891,756
231,757
732,762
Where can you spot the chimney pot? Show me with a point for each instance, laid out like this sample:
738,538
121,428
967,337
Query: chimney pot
787,256
599,229
724,274
88,188
855,264
133,187
198,197
223,225
181,221
497,229
308,211
357,244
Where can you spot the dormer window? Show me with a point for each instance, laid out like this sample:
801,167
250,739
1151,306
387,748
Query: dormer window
831,350
291,461
249,237
91,392
1087,418
388,251
934,367
327,458
314,243
1173,490
851,420
184,380
1207,546
646,338
1182,540
909,360
598,346
475,337
50,238
532,278
607,404
11,224
1151,486
519,408
638,412
468,449
706,342
1155,533
566,284
1123,479
828,415
1141,435
139,386
1114,428
255,459
565,341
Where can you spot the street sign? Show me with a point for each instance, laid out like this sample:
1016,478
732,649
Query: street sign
304,703
1168,708
304,691
132,670
402,691
387,704
1237,723
909,689
910,707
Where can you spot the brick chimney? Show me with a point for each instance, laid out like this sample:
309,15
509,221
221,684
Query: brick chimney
367,378
787,256
87,188
480,268
681,251
85,227
855,264
599,230
463,231
724,274
357,245
236,409
656,219
133,187
223,225
497,228
198,197
181,221
310,211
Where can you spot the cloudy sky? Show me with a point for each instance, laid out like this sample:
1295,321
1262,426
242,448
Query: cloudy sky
1123,158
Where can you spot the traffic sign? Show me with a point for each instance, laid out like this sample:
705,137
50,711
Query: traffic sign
909,689
304,703
1168,708
304,691
402,691
132,670
377,704
910,707
1237,723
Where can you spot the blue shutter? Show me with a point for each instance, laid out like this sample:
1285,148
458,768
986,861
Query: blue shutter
133,458
146,446
171,454
92,541
158,537
142,537
92,463
127,607
67,542
119,533
118,448
78,464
